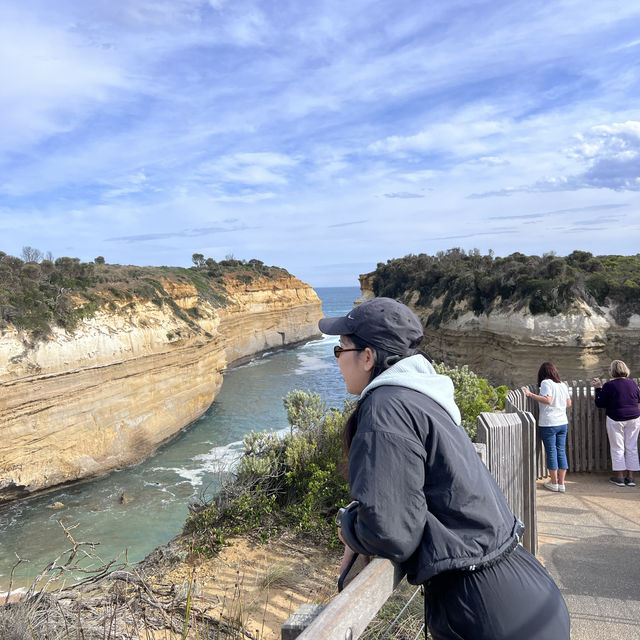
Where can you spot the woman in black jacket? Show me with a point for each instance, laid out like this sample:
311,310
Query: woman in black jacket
422,496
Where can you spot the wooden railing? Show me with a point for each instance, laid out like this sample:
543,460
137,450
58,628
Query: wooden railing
349,613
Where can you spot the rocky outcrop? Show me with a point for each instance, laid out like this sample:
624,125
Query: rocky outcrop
508,347
79,405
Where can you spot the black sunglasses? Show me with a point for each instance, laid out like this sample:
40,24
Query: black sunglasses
337,350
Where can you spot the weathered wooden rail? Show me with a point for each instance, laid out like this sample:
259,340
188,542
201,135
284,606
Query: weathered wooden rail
349,613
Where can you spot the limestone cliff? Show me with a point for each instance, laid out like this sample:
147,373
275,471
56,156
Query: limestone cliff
507,347
76,405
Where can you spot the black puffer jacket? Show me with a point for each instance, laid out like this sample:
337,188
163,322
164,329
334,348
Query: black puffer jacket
426,500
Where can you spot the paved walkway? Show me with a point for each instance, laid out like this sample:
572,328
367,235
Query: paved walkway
589,540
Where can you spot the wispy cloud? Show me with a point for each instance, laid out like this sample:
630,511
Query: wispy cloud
596,208
611,154
477,234
347,224
183,233
403,194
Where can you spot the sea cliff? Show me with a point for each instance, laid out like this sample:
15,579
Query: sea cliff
77,404
507,346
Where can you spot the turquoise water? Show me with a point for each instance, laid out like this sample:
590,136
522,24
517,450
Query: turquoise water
181,471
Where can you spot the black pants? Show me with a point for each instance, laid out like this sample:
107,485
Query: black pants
515,599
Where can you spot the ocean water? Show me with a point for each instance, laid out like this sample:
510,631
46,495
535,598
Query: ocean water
182,471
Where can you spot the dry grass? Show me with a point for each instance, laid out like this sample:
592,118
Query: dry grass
409,623
247,592
280,575
114,602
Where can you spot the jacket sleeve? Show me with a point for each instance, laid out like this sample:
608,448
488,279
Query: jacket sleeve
602,396
387,476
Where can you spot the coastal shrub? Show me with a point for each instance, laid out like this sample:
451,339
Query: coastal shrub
291,482
455,281
473,395
305,410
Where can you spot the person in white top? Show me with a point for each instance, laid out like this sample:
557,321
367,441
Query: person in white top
553,402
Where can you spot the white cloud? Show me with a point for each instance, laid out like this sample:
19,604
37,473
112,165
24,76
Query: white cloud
129,185
462,136
51,80
248,168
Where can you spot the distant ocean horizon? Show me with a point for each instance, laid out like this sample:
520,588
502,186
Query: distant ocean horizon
181,471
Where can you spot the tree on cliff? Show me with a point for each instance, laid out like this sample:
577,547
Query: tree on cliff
29,254
198,259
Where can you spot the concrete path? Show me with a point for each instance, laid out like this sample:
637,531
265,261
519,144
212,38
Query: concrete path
589,540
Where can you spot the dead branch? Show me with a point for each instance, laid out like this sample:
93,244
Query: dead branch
13,569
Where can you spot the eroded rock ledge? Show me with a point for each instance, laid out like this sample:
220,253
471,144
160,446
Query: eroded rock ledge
508,347
78,405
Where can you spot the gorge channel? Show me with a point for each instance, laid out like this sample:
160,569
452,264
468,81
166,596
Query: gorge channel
161,487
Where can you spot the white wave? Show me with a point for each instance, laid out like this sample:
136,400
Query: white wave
255,362
283,432
310,363
192,476
324,340
217,460
16,591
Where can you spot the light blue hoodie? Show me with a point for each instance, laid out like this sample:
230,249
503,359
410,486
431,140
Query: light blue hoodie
416,372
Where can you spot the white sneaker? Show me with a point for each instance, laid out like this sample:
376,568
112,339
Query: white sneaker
561,488
552,487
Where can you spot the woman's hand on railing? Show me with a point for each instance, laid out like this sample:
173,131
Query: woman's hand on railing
347,557
597,383
527,391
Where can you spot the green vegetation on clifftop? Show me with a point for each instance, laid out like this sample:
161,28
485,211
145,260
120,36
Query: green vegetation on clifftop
548,284
38,294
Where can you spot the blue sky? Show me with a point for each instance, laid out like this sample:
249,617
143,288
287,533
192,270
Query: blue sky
323,137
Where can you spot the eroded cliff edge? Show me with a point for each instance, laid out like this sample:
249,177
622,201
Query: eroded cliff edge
508,347
77,405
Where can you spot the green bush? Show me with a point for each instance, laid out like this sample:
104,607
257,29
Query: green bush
473,395
455,280
34,296
291,482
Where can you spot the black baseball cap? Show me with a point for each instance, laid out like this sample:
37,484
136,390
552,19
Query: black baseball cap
380,322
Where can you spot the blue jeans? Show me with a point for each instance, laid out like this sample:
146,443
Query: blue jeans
555,446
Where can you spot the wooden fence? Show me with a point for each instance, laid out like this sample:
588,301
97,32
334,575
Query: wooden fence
349,613
510,439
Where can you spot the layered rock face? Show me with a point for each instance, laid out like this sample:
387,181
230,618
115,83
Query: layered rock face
79,405
508,347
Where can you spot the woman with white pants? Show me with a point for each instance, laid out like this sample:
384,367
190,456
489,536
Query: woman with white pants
621,397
